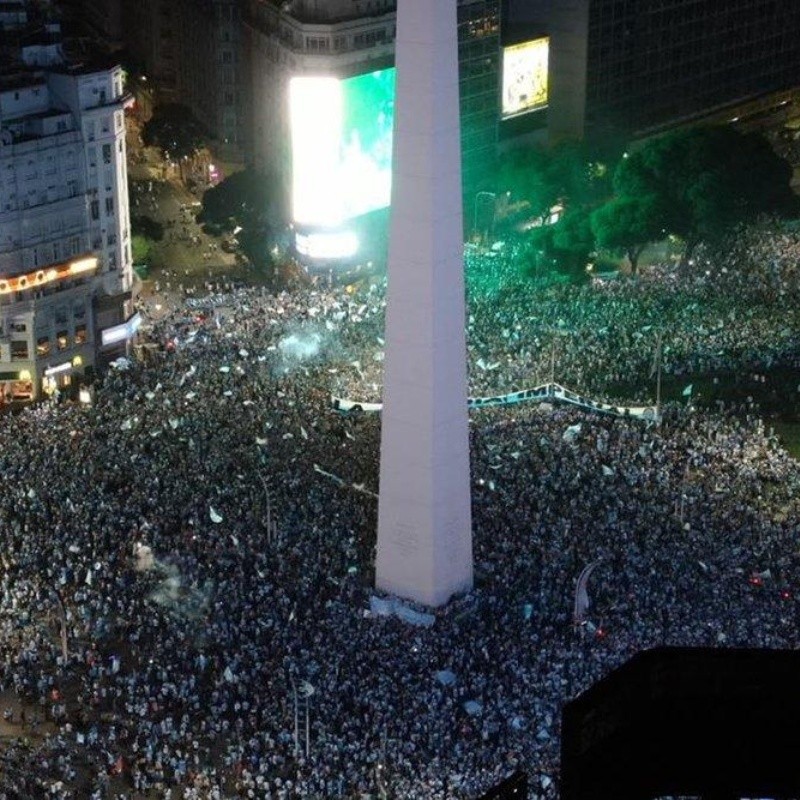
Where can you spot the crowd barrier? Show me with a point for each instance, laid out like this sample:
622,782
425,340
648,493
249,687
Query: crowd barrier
546,393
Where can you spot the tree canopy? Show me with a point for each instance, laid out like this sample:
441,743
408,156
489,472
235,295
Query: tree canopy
173,129
696,184
628,224
243,196
543,178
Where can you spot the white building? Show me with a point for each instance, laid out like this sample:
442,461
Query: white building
65,254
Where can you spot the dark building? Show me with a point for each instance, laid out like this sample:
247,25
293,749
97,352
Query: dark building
636,66
479,65
103,19
151,34
208,74
685,722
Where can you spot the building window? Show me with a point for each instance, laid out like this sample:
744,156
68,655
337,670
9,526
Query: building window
106,153
18,327
19,350
80,334
80,312
95,209
109,206
62,339
42,346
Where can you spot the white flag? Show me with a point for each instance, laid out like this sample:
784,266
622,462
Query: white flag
582,593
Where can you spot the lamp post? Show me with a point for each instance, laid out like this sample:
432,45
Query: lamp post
306,691
272,525
659,360
492,197
553,348
379,777
296,718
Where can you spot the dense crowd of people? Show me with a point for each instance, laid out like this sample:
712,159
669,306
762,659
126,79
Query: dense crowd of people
185,591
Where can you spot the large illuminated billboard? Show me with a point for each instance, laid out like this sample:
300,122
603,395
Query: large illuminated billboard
341,133
525,77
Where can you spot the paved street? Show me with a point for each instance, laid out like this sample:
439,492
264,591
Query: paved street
185,255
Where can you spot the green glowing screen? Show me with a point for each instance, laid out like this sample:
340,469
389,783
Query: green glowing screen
341,146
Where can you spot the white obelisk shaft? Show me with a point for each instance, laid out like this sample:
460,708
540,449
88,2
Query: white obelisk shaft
424,550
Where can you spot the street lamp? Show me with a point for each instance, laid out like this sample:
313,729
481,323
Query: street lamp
491,197
272,525
296,720
304,691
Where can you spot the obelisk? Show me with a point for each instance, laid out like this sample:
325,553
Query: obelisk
424,550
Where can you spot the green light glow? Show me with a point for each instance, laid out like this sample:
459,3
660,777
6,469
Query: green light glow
341,146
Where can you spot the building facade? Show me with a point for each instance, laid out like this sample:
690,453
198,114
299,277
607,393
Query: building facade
209,70
65,254
151,32
305,38
479,77
343,38
104,19
633,67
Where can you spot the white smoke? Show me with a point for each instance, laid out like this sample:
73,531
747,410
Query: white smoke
171,591
301,346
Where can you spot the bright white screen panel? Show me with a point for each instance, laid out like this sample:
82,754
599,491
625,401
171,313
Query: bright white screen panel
525,69
341,146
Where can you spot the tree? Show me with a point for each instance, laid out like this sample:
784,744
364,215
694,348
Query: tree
525,175
244,198
573,240
173,129
568,241
147,227
628,224
567,174
140,249
235,197
706,180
